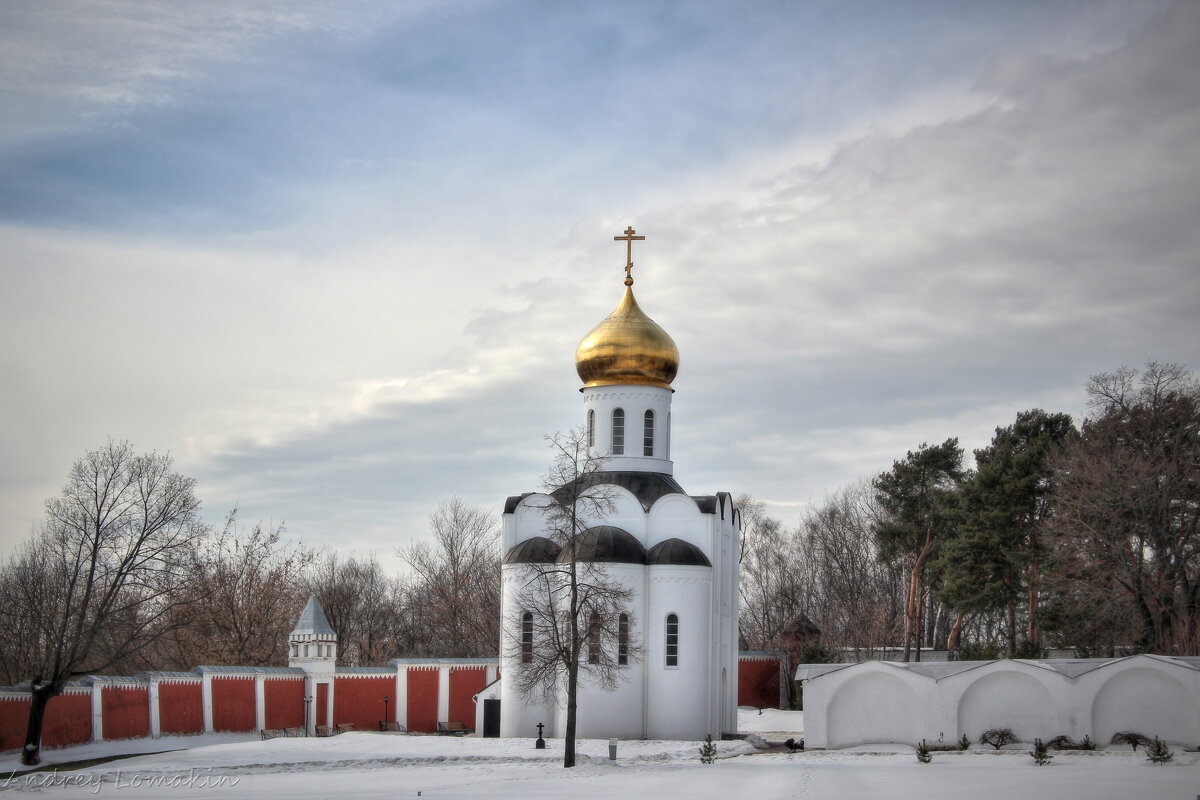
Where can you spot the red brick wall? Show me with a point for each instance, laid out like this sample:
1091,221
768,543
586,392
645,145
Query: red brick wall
758,683
233,704
360,701
284,700
14,719
180,708
422,700
322,702
68,720
464,683
126,712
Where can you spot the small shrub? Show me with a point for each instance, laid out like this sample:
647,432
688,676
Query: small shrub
1086,743
964,742
1063,743
923,754
1131,738
708,751
1041,753
998,737
1158,752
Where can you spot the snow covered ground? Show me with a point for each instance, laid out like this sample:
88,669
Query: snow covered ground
379,765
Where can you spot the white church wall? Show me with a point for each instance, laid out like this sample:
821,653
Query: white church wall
635,401
527,520
676,516
679,698
626,513
619,713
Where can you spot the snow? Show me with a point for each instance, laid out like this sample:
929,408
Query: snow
388,765
774,723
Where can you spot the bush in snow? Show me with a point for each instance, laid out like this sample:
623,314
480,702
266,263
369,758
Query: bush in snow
1063,743
964,742
1131,738
1158,752
998,737
1041,753
708,751
923,754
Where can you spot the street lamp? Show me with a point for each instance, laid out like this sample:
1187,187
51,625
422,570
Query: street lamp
307,703
385,714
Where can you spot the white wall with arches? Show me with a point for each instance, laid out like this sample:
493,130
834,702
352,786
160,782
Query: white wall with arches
884,702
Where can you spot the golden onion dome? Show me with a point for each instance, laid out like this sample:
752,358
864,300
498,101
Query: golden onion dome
627,347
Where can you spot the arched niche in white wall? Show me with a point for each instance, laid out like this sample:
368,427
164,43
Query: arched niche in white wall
1148,701
676,516
1008,699
872,708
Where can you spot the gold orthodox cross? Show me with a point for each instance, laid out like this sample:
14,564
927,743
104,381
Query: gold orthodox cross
629,239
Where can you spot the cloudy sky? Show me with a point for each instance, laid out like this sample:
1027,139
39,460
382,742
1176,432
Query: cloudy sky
335,258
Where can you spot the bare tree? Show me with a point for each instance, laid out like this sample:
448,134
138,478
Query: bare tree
456,581
250,589
106,571
1125,532
572,603
363,605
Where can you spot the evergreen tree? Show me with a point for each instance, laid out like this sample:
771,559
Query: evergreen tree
994,559
918,497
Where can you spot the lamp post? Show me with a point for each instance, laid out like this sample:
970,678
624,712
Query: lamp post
385,713
307,704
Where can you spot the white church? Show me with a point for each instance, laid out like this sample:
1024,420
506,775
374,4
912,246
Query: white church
675,554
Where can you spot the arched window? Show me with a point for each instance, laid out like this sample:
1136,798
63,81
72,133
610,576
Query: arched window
623,640
593,640
668,437
648,434
618,432
672,640
591,427
527,637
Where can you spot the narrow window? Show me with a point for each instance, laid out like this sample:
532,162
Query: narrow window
591,427
306,651
623,640
668,456
295,650
672,640
648,434
618,432
527,637
594,638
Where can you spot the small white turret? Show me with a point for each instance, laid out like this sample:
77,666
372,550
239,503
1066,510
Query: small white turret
312,645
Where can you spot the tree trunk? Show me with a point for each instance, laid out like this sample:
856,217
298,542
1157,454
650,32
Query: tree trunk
31,754
572,691
1012,629
952,639
1034,632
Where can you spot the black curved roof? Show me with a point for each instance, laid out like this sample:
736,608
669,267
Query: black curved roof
608,545
538,550
677,552
647,487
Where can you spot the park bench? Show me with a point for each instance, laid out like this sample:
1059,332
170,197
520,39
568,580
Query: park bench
343,727
271,733
391,726
292,733
453,729
323,730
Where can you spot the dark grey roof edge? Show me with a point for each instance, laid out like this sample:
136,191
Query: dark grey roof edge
404,662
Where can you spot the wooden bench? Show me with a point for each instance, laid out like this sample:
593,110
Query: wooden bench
344,727
391,726
453,729
293,733
271,733
323,730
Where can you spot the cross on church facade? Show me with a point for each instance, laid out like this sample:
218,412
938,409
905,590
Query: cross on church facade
629,238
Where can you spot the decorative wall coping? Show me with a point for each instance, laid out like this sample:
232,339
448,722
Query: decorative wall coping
1069,668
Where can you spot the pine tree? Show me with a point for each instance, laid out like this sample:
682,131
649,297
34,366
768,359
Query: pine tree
1041,753
1158,752
923,754
708,750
